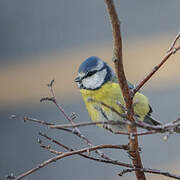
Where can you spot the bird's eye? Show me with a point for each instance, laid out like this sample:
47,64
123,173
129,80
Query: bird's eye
90,73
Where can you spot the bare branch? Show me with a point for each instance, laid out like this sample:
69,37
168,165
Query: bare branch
66,154
174,42
67,130
114,162
151,129
84,124
48,148
172,50
37,121
152,171
51,83
76,125
118,61
70,119
169,127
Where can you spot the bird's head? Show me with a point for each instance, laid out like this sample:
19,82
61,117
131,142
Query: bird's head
93,73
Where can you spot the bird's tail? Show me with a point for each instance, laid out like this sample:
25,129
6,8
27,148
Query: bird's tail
150,120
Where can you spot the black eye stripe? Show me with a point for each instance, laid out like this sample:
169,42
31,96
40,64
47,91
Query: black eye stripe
90,73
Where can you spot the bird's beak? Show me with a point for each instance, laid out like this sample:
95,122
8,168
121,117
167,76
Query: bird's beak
77,79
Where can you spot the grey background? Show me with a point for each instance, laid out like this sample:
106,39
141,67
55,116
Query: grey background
42,26
35,27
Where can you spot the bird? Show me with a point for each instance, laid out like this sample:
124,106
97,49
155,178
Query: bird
103,96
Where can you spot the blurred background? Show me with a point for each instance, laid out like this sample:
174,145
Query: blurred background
41,40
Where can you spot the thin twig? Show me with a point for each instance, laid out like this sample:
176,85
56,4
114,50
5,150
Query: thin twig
174,42
25,118
169,127
48,148
62,126
145,133
70,119
172,50
86,124
115,162
66,154
70,131
65,126
152,171
151,129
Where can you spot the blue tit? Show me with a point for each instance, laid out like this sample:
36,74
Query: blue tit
98,82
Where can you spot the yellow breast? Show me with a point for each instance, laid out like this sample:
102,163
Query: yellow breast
109,94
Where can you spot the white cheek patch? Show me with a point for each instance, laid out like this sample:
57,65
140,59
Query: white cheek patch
95,81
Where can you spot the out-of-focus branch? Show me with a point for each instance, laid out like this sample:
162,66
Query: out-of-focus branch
118,61
172,50
152,171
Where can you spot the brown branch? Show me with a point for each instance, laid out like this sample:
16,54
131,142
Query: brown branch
70,119
151,129
42,122
174,42
81,124
115,162
48,148
66,154
152,171
169,127
105,146
65,126
117,57
172,50
25,118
